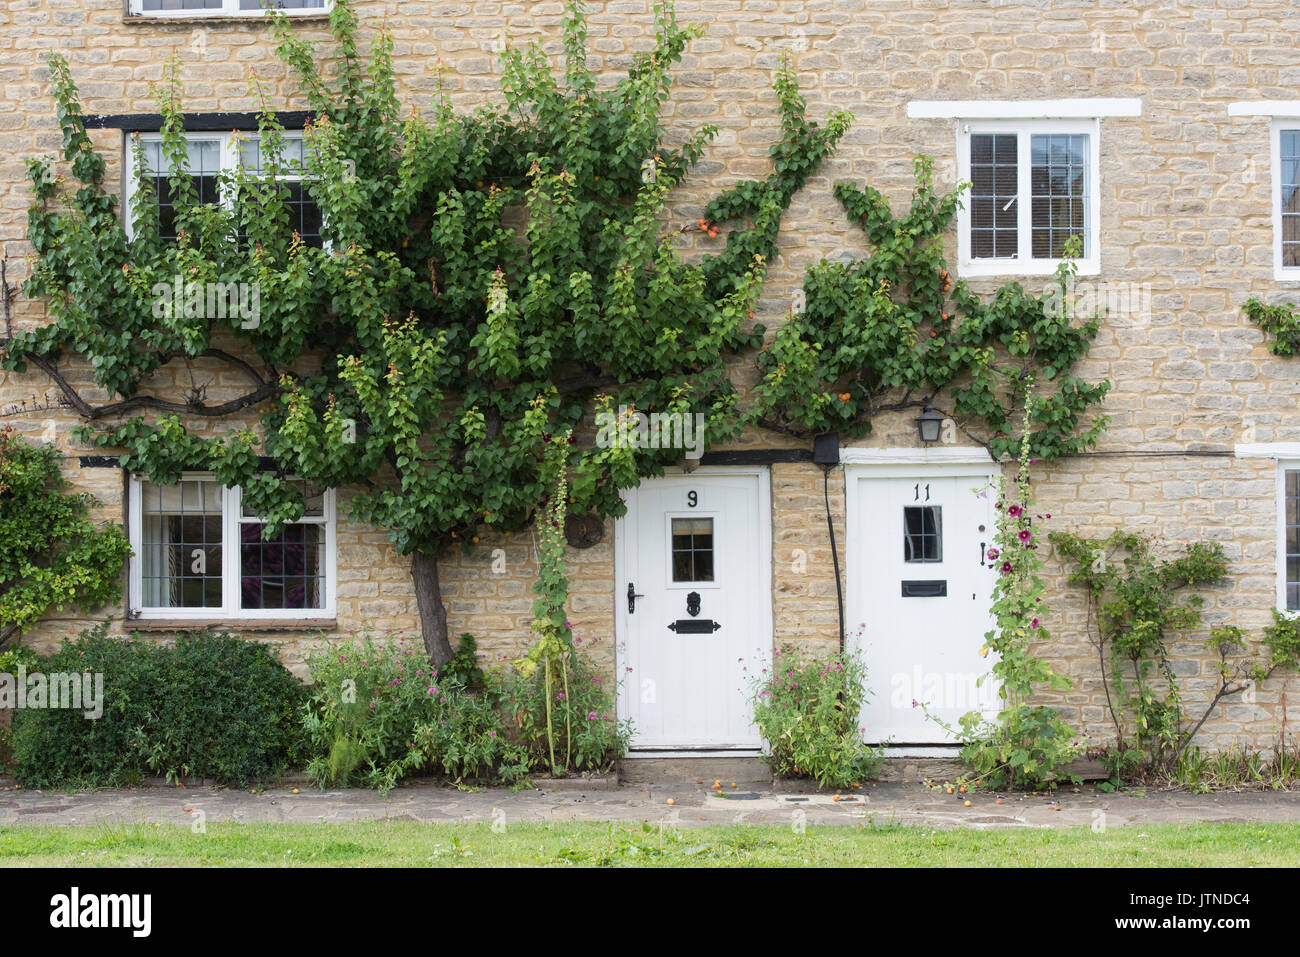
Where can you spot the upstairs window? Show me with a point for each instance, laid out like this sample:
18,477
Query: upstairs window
224,8
1286,199
1033,186
210,155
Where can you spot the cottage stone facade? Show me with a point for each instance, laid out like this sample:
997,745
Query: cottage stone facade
1184,216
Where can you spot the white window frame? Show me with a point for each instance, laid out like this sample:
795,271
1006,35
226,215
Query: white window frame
1280,272
231,518
229,8
1023,264
229,152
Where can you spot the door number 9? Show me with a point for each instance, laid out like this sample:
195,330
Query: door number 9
692,499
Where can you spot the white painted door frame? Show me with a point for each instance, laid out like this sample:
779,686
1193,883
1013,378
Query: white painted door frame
625,569
896,463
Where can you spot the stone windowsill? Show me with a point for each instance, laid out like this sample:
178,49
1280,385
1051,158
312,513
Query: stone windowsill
225,19
230,624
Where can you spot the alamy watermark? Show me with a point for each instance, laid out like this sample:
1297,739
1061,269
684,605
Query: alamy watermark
208,300
75,910
1087,298
630,429
941,689
60,691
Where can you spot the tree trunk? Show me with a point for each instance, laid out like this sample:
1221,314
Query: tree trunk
433,616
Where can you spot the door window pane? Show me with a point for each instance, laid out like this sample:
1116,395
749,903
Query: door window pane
922,533
692,550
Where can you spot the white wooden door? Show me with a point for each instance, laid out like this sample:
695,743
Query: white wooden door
693,592
921,586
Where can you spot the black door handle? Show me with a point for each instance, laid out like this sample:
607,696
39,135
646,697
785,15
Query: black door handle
632,596
981,554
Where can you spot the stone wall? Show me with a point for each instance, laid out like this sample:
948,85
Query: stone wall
1184,207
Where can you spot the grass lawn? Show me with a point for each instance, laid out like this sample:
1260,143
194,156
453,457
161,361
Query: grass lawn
409,843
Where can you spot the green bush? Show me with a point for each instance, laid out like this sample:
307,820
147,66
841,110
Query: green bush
807,711
209,706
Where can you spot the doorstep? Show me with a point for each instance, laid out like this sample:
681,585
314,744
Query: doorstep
913,770
596,782
746,768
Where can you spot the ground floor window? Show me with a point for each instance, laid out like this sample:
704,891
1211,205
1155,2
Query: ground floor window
200,553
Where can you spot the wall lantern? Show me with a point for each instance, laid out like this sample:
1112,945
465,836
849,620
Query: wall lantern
929,423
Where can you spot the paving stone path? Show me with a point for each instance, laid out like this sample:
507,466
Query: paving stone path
910,804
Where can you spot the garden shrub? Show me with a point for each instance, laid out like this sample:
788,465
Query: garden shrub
807,711
463,666
380,713
209,706
366,701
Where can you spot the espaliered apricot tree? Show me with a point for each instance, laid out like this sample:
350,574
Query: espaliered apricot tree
893,330
471,264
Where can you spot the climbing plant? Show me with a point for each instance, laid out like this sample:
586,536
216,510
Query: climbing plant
553,635
893,330
52,554
1279,322
471,263
1137,605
